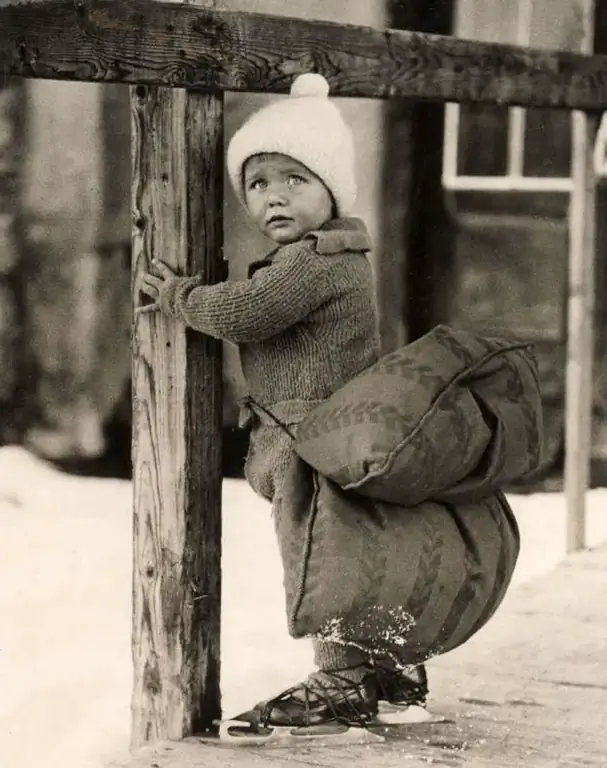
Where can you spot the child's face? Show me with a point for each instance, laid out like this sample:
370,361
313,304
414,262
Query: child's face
285,199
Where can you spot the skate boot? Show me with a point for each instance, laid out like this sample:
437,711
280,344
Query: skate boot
327,707
402,695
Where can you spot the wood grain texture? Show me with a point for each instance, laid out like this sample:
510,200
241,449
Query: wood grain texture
160,43
177,387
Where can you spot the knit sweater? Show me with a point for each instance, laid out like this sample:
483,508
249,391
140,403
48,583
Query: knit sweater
305,323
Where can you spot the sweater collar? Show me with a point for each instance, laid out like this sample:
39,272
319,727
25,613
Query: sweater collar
338,235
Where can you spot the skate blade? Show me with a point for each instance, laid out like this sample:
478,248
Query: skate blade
238,733
394,714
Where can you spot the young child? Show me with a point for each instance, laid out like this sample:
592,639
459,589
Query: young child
305,323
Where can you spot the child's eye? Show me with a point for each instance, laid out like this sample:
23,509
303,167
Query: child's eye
295,179
258,184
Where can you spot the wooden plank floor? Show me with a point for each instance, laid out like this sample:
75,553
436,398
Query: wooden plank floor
529,690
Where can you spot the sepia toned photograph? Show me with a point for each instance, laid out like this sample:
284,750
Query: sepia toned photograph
303,383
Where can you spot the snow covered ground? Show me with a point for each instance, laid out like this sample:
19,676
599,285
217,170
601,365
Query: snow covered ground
65,582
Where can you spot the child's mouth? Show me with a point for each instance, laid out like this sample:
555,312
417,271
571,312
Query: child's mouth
277,221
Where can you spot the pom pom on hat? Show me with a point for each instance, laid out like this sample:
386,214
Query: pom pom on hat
310,84
306,126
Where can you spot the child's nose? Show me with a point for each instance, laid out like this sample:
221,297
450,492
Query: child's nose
277,194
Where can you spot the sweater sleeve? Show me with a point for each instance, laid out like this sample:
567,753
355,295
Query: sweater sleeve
274,299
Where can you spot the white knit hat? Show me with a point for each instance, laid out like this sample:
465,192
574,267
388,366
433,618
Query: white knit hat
308,127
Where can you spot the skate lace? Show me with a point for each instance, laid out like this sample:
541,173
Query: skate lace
322,687
409,681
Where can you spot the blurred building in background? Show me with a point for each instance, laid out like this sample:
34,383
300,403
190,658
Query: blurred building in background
496,263
506,173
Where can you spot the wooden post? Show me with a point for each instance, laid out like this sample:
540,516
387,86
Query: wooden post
12,378
396,203
580,312
177,421
421,231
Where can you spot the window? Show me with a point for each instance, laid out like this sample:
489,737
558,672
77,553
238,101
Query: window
497,148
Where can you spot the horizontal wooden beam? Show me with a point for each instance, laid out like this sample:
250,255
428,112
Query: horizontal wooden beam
159,43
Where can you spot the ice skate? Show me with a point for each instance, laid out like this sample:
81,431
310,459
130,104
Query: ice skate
402,696
327,708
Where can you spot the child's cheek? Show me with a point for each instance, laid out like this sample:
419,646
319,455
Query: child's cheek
253,203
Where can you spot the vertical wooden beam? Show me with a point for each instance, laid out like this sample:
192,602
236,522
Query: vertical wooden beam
177,421
414,146
580,311
396,190
12,372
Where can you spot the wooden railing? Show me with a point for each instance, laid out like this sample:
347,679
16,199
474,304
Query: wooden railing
160,43
179,60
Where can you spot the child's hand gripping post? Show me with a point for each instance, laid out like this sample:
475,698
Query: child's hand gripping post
151,286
